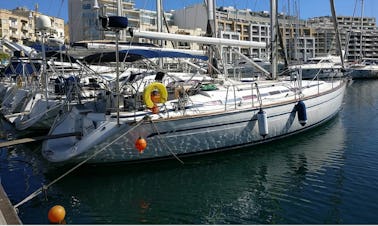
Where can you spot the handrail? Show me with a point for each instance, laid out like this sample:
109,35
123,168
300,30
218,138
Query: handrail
233,87
225,103
258,95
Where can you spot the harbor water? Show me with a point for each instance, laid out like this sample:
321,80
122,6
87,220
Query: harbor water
328,175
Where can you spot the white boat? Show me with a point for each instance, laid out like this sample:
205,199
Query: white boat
367,69
320,67
39,108
208,117
38,114
212,122
13,100
30,105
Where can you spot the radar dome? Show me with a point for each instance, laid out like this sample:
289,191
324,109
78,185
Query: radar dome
43,22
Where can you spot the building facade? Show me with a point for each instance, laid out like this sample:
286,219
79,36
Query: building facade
19,26
16,28
358,36
246,25
84,23
301,39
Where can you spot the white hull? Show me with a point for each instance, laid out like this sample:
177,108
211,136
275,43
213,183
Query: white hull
40,117
14,100
186,134
321,73
3,90
367,69
367,72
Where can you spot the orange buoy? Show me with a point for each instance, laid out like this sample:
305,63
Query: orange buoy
140,144
56,214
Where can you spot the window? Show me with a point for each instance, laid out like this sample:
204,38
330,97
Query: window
87,6
12,22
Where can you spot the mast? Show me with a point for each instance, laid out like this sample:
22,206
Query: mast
119,13
117,75
43,24
119,8
118,33
210,31
335,24
159,23
273,38
361,28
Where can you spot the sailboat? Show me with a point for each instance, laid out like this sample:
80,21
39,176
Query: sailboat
320,67
364,68
213,116
27,105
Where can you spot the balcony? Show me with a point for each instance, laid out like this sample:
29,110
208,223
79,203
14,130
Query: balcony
25,28
13,26
14,36
25,37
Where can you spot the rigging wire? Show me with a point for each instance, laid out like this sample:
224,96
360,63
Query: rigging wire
45,187
164,143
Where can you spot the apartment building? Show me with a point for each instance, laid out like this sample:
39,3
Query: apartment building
18,26
301,39
148,23
84,23
86,27
358,36
247,25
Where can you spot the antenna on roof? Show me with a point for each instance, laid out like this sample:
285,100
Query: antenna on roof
95,5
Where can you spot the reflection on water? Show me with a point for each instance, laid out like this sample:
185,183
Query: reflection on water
248,186
326,175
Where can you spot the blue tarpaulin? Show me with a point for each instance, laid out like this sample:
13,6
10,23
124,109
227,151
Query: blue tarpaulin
131,55
20,68
160,54
38,47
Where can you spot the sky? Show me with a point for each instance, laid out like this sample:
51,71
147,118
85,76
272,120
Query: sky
307,8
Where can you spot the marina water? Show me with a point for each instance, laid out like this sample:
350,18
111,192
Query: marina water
328,175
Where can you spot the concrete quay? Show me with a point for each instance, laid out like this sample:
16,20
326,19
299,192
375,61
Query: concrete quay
7,213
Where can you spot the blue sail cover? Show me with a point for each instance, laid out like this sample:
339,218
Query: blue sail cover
131,55
20,68
161,54
38,47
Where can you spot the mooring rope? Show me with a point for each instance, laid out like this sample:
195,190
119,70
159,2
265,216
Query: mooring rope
164,143
45,187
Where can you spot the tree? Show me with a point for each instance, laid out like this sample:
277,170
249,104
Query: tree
4,56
